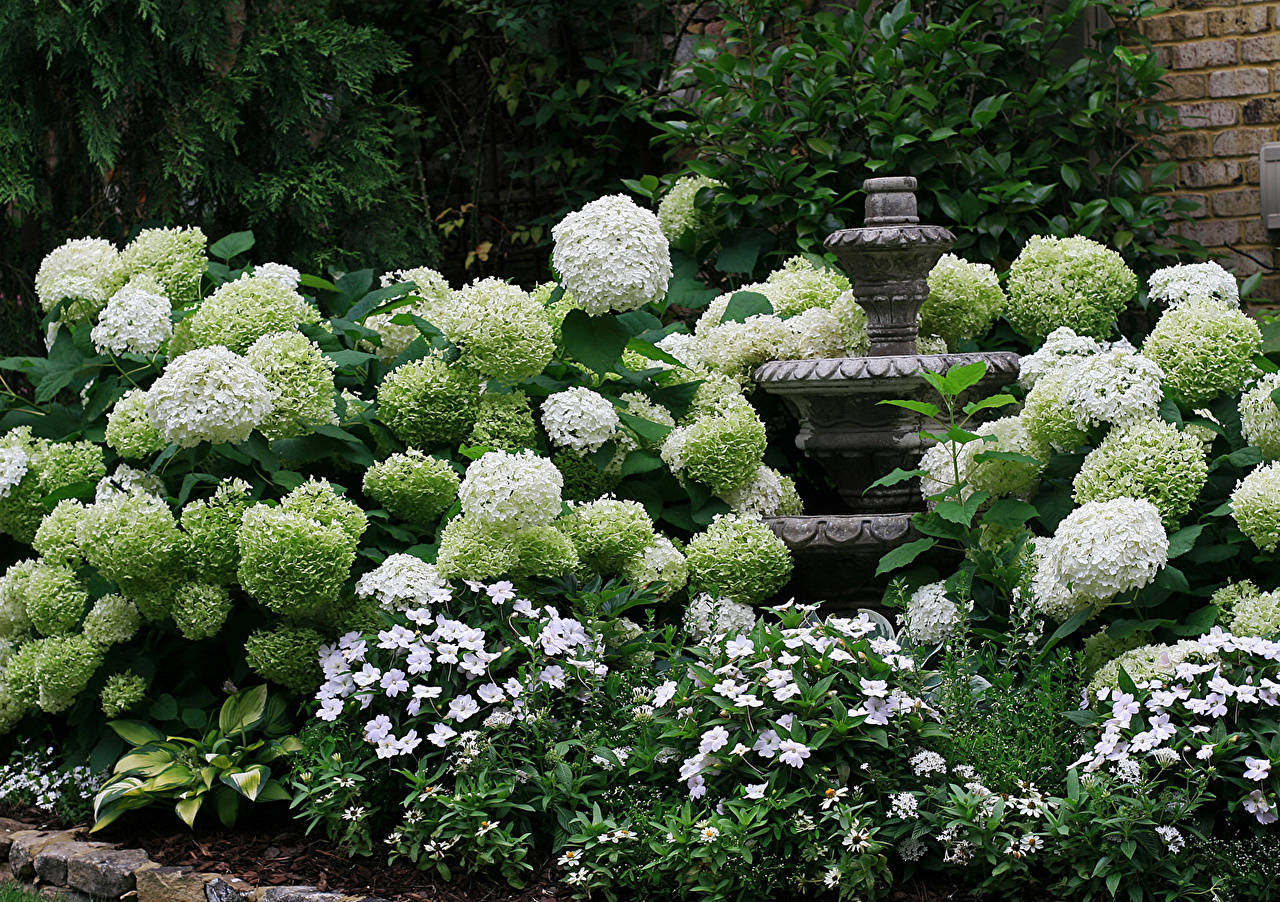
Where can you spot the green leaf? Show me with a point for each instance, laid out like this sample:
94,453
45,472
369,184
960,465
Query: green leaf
1184,540
920,407
376,301
242,711
232,245
992,403
894,477
903,555
187,809
145,761
1069,626
638,462
963,376
740,254
248,782
744,304
595,341
227,804
1171,578
1010,513
653,352
135,732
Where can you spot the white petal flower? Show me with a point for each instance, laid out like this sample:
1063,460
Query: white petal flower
209,395
612,255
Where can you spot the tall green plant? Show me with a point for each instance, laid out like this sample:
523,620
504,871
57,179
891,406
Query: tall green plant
1011,125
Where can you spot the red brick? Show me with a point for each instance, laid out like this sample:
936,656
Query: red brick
1242,20
1183,87
1207,115
1164,57
1251,171
1234,82
1204,54
1241,142
1262,111
1211,232
1261,49
1187,146
1257,233
1176,27
1245,202
1210,173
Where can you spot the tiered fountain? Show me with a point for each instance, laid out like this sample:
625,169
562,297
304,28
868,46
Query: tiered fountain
843,426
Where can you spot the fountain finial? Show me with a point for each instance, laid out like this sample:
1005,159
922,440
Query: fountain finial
890,200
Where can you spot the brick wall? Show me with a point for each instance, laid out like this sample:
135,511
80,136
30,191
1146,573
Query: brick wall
1224,83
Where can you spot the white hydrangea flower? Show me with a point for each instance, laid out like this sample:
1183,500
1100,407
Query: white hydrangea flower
707,618
579,419
515,490
768,495
815,333
931,617
401,582
662,562
1260,416
1099,550
1175,285
13,466
84,271
1116,385
612,255
125,481
209,395
135,320
943,471
1255,505
680,345
277,272
1062,345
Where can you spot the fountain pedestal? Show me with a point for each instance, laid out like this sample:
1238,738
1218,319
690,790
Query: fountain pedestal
844,426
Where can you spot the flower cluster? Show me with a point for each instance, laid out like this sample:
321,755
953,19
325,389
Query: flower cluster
1176,285
931,617
1255,505
432,300
964,300
579,419
135,320
1260,416
679,215
738,558
612,255
211,394
175,257
1072,282
302,377
428,403
1205,349
1148,459
413,486
503,332
239,313
83,274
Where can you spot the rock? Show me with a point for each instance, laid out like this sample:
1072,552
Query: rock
64,894
26,844
228,889
161,884
105,872
51,861
7,829
302,894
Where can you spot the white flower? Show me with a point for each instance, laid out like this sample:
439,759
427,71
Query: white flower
833,797
13,466
1172,838
925,762
1175,285
904,806
135,320
330,710
83,271
755,790
708,834
713,740
462,707
283,275
767,744
664,693
516,490
931,617
377,729
612,255
209,395
739,646
1116,385
579,419
1257,768
792,752
441,734
400,582
572,858
1257,804
1062,345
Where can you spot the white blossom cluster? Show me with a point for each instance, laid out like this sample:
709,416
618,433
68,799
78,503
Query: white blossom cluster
403,581
285,276
1175,285
1192,717
770,494
1062,342
931,617
579,419
135,320
708,617
612,255
85,272
209,395
1099,550
13,466
35,779
517,490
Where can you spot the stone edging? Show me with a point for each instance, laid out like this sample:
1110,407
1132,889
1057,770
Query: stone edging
58,865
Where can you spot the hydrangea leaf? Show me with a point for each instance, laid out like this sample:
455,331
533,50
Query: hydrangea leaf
232,245
594,341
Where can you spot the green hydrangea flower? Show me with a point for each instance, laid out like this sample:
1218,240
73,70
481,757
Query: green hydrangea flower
133,540
1144,663
55,599
504,422
51,466
1048,420
56,539
1257,615
543,552
801,285
154,600
853,319
964,300
200,609
64,667
1232,594
213,527
241,312
1255,505
662,562
679,215
302,374
1205,348
1002,478
414,487
287,655
20,681
317,499
738,558
1260,416
473,549
113,620
83,272
583,480
608,533
174,257
291,563
15,625
121,693
130,432
1151,459
723,451
1102,647
505,334
717,394
428,403
1072,282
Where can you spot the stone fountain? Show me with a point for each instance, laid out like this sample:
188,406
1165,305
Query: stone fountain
843,426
